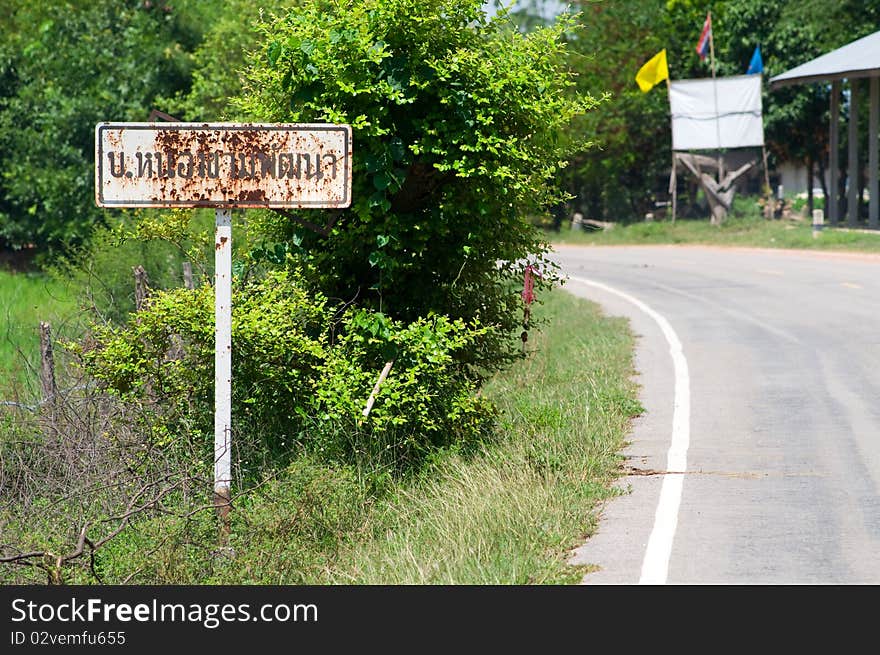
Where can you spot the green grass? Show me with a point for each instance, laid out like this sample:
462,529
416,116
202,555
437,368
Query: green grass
509,515
25,300
740,229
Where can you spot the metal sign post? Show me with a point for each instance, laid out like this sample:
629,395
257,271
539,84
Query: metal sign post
223,165
222,362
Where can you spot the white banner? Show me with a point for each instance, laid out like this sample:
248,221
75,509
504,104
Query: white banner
710,114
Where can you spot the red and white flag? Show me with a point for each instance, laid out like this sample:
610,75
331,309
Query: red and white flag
705,36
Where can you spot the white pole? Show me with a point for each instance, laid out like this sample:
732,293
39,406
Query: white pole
873,119
222,360
852,174
833,209
673,182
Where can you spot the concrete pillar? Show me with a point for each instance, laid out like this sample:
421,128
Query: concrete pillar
852,203
833,208
873,191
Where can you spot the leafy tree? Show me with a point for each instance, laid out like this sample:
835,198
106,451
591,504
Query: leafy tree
795,123
65,67
628,171
218,61
617,179
460,132
791,33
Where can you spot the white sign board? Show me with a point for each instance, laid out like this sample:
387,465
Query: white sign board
222,165
710,114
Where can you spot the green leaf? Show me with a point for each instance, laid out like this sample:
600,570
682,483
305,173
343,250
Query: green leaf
396,148
273,52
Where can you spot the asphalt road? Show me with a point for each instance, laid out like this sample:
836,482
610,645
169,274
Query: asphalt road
771,408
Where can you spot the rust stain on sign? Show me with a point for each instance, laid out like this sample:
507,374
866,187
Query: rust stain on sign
222,165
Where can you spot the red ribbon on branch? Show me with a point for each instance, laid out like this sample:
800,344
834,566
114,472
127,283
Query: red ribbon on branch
528,292
528,296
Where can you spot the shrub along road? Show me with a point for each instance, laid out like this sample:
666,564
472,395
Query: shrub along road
769,410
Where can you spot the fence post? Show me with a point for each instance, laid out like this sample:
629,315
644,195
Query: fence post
47,364
141,287
818,222
188,275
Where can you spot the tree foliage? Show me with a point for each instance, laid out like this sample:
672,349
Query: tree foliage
219,59
629,170
460,132
64,67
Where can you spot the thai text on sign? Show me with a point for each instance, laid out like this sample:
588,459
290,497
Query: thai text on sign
222,165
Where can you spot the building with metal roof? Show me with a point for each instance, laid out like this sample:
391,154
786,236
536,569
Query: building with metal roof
850,63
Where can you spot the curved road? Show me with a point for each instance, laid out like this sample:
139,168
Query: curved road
771,407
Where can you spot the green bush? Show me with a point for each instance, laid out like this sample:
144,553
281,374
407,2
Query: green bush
303,369
799,201
459,127
426,402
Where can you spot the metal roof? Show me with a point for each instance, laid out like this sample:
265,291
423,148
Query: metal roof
861,58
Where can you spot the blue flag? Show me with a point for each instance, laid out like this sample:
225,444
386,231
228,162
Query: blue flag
757,64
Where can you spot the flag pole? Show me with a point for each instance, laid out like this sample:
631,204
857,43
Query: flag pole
715,91
673,182
770,207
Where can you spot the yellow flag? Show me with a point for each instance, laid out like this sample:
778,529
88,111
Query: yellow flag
654,71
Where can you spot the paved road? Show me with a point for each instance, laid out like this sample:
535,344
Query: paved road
781,359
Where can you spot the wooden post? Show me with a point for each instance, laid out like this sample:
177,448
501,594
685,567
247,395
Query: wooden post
375,390
141,287
188,275
769,209
47,364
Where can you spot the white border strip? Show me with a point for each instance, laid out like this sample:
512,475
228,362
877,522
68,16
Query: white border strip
655,566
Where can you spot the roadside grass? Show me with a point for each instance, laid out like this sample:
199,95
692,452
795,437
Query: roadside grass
25,300
745,227
508,511
512,514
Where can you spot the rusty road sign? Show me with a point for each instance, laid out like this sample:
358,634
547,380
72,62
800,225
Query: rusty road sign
222,165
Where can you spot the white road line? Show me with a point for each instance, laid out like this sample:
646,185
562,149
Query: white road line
655,565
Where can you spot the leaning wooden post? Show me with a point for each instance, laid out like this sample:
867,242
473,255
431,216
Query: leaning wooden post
47,365
769,209
372,398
